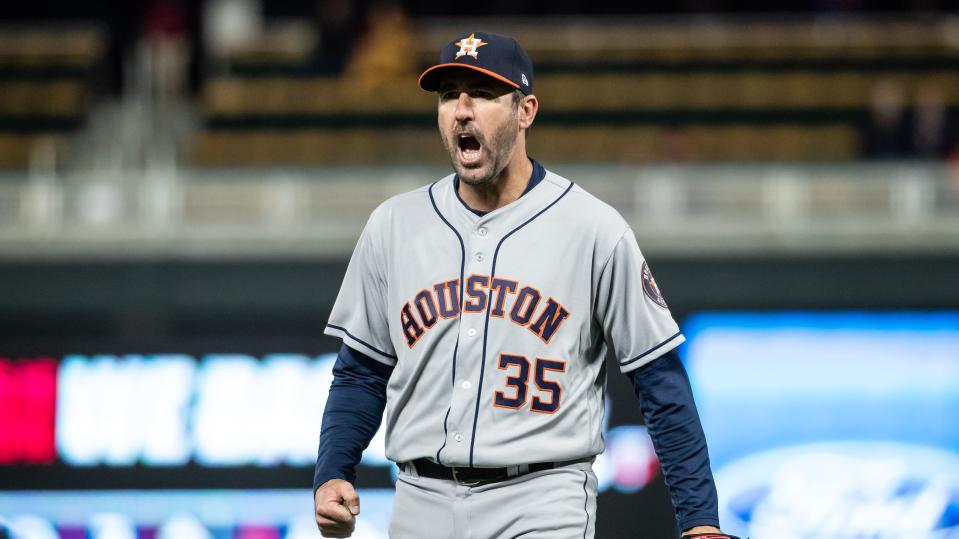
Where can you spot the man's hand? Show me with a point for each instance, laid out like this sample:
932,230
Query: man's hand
336,505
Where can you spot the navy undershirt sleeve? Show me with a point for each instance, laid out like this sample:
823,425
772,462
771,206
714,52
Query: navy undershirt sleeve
354,410
673,424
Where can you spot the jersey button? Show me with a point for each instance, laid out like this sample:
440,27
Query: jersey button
479,257
471,332
458,437
467,384
481,231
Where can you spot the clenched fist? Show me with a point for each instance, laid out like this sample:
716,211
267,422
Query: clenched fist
336,505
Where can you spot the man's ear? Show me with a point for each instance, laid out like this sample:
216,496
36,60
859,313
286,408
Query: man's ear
528,107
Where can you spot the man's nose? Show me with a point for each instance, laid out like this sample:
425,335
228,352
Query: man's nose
464,108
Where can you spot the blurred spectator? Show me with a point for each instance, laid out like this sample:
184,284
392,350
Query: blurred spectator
931,134
886,135
952,169
168,46
384,53
338,24
231,25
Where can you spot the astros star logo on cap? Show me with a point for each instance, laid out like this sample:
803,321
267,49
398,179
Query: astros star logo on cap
503,59
468,46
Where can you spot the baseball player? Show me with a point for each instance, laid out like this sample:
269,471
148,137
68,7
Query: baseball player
480,312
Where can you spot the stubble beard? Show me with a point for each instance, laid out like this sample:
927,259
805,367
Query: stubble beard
499,147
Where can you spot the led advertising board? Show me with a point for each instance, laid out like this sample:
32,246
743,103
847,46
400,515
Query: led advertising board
180,413
835,425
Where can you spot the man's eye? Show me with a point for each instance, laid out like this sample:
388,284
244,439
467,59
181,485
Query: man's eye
477,94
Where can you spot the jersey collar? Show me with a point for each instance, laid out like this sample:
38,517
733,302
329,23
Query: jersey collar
535,177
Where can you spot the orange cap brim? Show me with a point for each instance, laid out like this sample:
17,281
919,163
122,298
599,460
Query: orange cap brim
431,84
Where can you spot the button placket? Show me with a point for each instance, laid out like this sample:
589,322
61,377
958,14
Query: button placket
477,246
480,230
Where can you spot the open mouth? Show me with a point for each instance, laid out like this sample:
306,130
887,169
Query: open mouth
470,148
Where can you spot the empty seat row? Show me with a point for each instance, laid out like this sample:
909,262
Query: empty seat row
665,39
793,89
548,143
46,46
63,97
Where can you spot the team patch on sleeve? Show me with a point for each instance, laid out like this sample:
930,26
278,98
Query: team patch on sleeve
649,286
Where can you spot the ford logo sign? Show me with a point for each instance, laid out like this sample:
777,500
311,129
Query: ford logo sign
839,490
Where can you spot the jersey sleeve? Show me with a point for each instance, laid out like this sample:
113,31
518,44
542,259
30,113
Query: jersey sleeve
634,317
359,313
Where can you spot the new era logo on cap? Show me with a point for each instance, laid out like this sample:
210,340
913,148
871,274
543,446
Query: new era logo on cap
497,56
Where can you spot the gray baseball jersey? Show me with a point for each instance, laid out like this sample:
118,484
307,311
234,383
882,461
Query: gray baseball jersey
499,325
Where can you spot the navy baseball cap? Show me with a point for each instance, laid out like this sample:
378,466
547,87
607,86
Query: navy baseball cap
499,57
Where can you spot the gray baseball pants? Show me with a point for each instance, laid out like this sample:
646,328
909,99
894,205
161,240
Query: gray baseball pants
549,504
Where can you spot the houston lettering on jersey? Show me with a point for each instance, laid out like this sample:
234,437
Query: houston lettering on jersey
524,305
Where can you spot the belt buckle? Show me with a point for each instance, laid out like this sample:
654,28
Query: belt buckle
464,483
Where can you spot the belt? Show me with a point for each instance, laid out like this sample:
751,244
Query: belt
476,476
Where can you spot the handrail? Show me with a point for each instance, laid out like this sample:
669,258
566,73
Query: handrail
682,210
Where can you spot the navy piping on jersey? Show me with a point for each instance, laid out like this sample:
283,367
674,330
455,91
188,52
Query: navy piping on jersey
535,177
462,287
651,350
585,503
361,341
492,275
446,419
